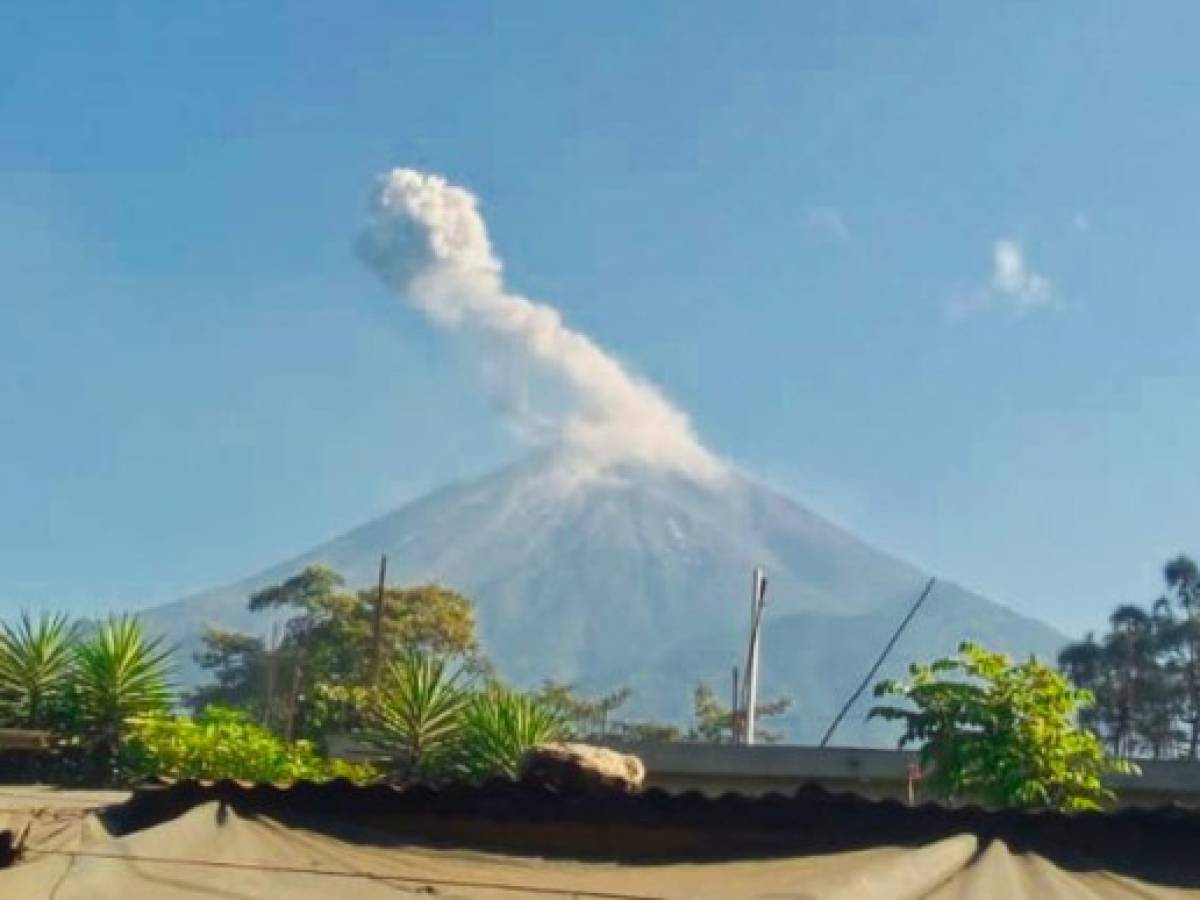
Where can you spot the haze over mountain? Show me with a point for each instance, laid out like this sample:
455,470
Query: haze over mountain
641,577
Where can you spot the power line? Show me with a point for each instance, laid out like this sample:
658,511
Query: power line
879,662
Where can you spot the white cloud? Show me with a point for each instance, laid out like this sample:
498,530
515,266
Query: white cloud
828,221
1012,279
1013,284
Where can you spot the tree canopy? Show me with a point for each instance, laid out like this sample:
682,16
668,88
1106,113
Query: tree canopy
1000,733
1144,671
328,639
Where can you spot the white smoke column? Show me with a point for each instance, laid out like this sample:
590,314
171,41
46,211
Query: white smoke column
426,240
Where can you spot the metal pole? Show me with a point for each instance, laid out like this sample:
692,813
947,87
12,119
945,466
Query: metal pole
758,594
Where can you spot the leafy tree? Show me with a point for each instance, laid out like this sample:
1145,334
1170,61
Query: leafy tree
647,732
329,642
1183,581
714,723
119,674
587,717
37,661
1000,733
224,743
1132,689
238,664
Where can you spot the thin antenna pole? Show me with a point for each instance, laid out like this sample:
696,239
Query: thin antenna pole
758,592
377,650
879,662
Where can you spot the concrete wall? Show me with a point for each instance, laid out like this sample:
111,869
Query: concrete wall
877,774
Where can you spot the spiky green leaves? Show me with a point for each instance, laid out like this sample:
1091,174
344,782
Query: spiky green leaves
416,713
37,658
120,674
434,724
498,726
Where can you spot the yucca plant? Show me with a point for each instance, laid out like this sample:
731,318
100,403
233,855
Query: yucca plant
499,725
415,715
120,674
37,659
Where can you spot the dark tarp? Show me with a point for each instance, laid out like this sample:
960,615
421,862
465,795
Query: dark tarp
505,841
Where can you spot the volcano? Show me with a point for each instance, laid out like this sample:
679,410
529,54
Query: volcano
641,577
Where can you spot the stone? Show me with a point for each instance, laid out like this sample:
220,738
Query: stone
581,768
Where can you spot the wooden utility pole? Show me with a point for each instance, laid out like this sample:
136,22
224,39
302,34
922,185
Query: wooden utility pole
380,600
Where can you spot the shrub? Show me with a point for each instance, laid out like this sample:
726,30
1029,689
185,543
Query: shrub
999,733
415,715
435,726
498,726
223,743
37,660
119,674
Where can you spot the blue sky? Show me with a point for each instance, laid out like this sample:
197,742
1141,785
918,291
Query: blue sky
929,268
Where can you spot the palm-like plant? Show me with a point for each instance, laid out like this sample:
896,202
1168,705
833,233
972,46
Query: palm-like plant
499,725
120,674
416,714
36,663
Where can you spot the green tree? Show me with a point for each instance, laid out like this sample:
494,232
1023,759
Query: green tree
37,661
1133,691
714,722
586,717
329,644
1000,733
237,663
647,732
1183,581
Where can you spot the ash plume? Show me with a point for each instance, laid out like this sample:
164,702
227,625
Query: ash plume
428,242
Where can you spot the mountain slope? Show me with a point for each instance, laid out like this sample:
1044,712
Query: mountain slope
643,578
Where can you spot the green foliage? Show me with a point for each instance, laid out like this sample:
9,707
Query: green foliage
1000,734
434,724
1145,671
223,743
714,722
587,717
37,659
498,726
238,666
329,642
119,674
415,715
308,592
647,732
